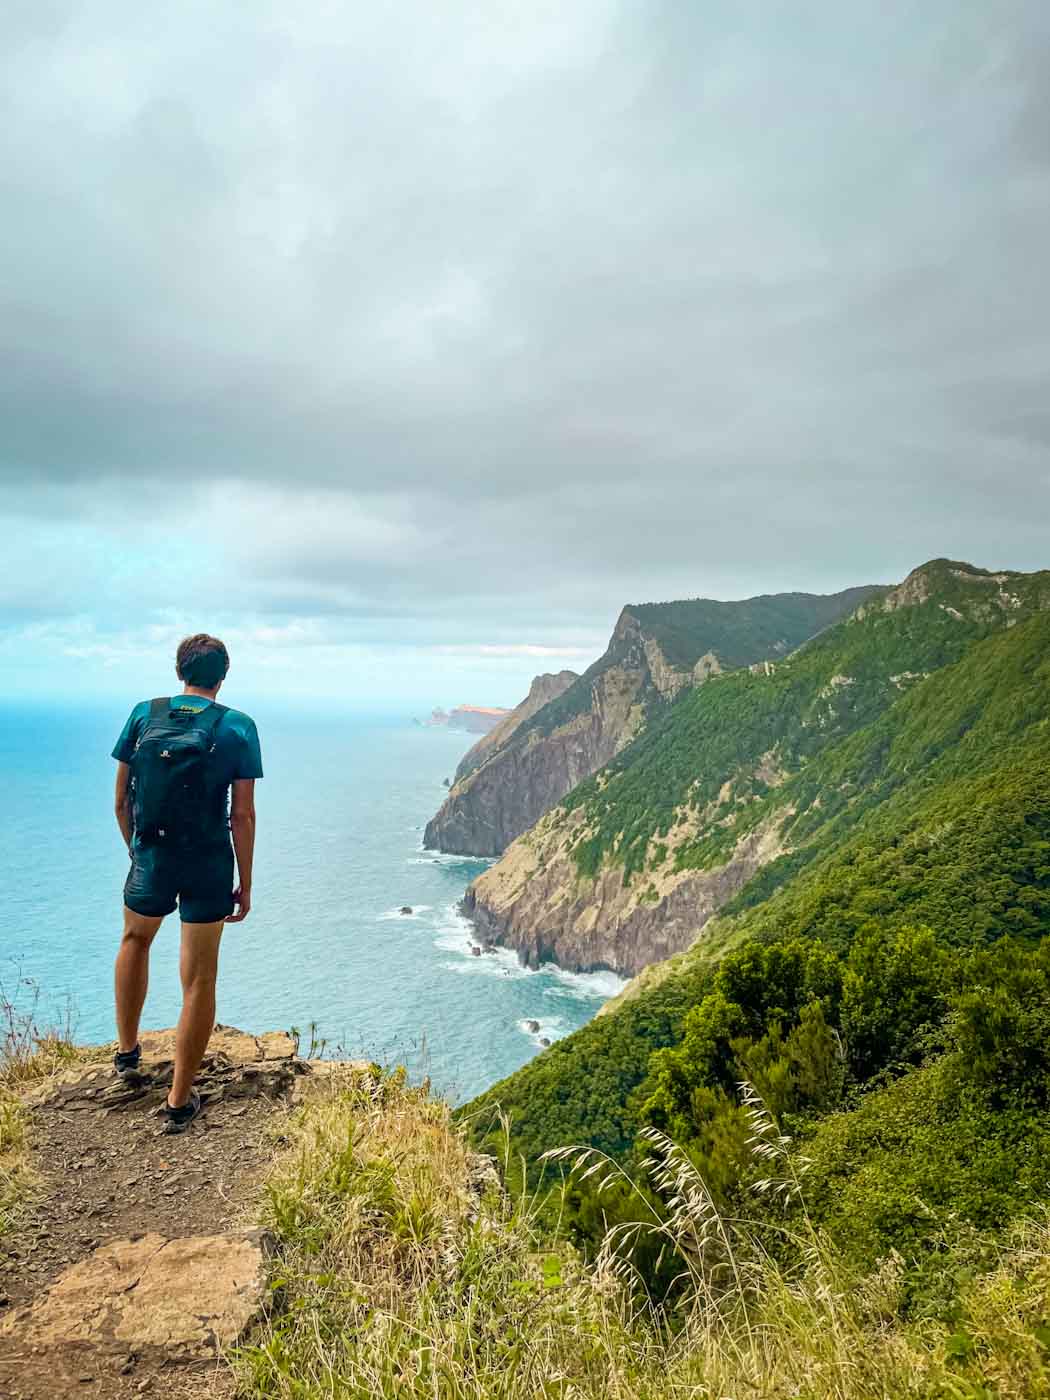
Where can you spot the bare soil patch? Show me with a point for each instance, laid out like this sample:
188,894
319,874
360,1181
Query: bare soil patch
118,1203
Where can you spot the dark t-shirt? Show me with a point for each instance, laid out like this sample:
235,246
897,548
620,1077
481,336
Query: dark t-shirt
237,752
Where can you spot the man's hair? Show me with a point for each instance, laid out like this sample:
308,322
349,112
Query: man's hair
202,661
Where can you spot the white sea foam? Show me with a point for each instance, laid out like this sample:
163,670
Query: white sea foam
418,910
550,1028
424,857
584,986
456,935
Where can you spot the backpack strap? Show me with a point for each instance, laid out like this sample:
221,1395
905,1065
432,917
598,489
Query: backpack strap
211,718
160,706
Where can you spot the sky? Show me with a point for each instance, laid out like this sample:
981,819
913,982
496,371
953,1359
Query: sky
402,345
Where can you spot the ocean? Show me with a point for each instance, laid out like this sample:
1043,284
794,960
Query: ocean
341,813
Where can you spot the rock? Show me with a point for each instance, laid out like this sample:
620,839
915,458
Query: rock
187,1298
238,1047
532,1027
475,951
405,909
544,1041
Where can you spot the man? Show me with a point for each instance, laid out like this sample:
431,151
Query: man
177,759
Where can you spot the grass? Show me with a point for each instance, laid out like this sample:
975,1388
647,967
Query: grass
28,1055
404,1270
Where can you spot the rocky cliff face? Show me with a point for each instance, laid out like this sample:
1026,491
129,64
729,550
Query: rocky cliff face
543,689
485,811
561,742
510,780
533,900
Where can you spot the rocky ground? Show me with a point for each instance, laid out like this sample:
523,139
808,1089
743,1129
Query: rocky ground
138,1262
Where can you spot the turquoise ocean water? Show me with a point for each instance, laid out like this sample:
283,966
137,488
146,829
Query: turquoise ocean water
341,816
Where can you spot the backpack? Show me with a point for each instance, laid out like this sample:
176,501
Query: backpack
178,798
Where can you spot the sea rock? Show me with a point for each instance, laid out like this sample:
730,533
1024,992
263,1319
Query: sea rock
475,951
544,1041
405,909
532,1027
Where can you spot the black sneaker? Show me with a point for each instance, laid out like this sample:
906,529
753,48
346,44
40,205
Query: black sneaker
179,1119
126,1062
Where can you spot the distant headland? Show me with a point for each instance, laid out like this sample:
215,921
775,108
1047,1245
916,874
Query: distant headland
476,719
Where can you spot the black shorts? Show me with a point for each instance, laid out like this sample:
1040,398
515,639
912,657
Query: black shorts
201,881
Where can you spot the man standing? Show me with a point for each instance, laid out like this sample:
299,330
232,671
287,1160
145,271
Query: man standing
177,759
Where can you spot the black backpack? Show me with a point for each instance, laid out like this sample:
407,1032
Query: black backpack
177,796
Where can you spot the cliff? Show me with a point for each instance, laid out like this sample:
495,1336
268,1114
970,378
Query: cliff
543,689
657,650
746,775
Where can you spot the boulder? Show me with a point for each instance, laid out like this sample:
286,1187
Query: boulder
182,1298
405,909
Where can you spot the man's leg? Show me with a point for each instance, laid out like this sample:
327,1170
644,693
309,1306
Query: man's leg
131,975
198,965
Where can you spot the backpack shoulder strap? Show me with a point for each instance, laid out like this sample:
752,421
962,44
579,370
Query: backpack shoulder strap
211,718
160,706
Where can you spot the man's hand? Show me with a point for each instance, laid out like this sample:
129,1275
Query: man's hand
242,899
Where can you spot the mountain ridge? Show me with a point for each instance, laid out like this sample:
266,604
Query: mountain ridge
629,869
656,650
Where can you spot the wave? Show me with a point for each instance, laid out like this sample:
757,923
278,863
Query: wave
456,935
425,857
550,1028
584,986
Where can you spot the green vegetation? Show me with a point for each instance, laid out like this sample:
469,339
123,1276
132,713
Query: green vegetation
746,729
28,1054
947,824
403,1271
739,634
883,985
742,633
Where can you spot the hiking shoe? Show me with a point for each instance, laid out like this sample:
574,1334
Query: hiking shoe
126,1062
179,1119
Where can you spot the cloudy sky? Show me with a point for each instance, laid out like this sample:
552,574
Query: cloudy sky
403,344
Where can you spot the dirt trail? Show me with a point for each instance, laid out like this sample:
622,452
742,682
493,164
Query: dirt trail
138,1261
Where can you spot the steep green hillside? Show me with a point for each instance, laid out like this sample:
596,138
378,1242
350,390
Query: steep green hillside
570,726
925,806
752,728
759,771
736,633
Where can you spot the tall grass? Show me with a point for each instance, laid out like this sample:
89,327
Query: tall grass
28,1054
404,1270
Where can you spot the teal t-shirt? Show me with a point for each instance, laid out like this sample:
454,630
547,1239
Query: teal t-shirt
236,738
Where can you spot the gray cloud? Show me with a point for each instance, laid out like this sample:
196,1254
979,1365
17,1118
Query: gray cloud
518,312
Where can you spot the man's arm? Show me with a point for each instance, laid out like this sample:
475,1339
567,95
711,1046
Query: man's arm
242,825
122,803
